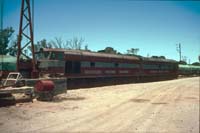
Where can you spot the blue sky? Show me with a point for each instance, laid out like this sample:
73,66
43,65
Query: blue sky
155,27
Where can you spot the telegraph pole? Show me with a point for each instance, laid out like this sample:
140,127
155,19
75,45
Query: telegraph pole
178,48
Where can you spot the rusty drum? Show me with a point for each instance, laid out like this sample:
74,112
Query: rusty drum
44,85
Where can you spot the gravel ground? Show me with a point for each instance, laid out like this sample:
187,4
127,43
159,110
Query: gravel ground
166,106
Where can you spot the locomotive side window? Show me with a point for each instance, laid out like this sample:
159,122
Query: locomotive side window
116,64
72,67
166,66
108,65
53,56
85,64
150,66
56,55
128,65
42,55
60,56
92,64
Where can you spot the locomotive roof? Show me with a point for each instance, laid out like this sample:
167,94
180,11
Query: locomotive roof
158,60
93,54
106,55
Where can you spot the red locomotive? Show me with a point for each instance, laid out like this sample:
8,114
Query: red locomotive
75,64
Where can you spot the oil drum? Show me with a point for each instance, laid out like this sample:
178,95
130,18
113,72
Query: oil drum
44,85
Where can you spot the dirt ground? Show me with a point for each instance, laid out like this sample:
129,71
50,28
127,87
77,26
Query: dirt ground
166,106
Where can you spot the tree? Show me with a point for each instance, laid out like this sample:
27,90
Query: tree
132,51
13,48
41,44
155,57
86,48
119,53
162,57
44,44
5,35
75,43
109,50
196,64
183,62
58,43
158,57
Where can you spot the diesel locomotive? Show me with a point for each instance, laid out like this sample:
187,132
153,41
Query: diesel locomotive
76,64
